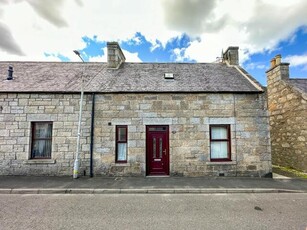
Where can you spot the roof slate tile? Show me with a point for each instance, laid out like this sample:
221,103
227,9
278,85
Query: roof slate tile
299,83
131,77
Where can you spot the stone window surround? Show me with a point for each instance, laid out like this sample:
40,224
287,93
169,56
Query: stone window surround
117,141
231,121
31,158
39,118
228,139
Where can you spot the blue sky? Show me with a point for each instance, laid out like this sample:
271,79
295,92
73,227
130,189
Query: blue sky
157,31
296,45
139,44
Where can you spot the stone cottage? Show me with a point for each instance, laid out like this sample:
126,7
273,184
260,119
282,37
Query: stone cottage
138,119
287,100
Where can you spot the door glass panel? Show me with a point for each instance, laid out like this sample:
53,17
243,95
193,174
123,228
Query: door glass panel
157,128
160,148
122,134
154,148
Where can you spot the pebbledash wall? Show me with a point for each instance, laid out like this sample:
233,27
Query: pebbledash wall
288,116
188,117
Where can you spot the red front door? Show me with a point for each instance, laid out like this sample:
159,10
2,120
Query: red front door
157,150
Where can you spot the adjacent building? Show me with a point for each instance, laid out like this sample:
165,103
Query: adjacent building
138,119
287,100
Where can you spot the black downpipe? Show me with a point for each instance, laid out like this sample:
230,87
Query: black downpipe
92,135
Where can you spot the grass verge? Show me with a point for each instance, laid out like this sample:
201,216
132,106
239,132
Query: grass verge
289,172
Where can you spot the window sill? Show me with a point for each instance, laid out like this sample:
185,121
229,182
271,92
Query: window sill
221,163
40,161
121,164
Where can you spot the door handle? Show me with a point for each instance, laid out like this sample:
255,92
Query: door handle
164,151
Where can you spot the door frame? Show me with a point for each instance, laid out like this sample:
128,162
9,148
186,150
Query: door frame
167,158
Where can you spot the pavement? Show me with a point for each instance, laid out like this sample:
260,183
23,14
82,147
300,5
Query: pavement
141,185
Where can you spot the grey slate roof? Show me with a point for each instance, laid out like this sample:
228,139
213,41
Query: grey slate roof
130,77
299,83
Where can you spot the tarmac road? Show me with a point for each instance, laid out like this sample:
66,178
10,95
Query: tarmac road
154,211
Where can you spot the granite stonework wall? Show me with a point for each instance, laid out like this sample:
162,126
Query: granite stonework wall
288,113
188,117
16,114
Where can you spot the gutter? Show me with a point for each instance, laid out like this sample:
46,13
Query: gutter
92,134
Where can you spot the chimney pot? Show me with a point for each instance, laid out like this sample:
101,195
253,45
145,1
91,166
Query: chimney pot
10,73
278,59
273,62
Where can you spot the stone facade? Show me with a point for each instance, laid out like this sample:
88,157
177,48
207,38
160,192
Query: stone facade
288,118
187,114
16,114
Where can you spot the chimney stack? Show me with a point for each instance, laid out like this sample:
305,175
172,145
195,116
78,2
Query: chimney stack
115,55
231,55
278,70
10,73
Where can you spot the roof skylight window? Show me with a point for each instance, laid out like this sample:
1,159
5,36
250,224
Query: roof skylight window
168,76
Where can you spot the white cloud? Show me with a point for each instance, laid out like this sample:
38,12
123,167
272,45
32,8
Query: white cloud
154,46
179,54
254,25
110,20
50,10
191,16
272,22
296,60
57,26
255,65
36,36
131,57
7,41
